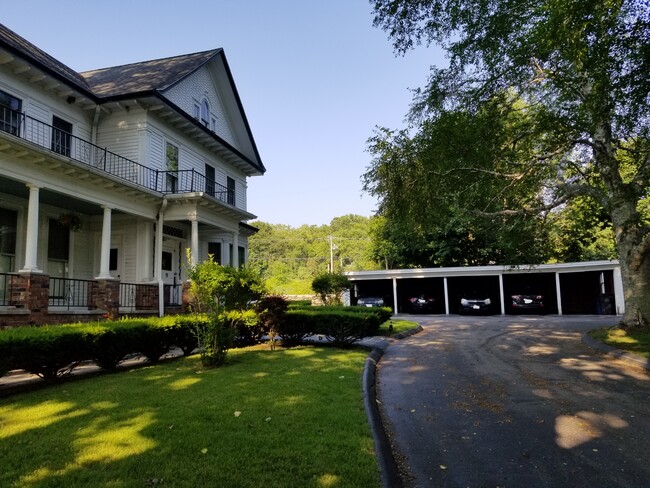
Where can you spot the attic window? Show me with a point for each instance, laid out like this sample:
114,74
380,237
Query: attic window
205,113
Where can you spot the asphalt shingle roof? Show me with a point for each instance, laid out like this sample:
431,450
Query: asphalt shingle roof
146,76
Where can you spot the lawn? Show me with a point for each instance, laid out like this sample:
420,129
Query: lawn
398,326
291,417
636,341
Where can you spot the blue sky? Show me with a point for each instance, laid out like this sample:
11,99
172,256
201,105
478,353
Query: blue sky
314,77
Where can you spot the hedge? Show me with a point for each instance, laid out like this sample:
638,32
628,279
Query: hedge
52,351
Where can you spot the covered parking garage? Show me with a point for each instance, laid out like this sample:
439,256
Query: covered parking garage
593,287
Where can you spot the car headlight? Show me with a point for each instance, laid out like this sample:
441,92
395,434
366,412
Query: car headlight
488,301
463,301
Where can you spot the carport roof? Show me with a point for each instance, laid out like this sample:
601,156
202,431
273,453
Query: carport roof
482,270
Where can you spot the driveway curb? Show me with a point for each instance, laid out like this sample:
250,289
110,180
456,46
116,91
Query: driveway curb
617,353
385,458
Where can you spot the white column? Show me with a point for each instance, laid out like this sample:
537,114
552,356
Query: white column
31,242
105,251
619,297
446,286
235,250
194,243
502,298
395,295
558,293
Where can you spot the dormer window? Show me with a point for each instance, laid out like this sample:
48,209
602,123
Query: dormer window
205,113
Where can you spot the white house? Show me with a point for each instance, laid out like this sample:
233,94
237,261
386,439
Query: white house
107,177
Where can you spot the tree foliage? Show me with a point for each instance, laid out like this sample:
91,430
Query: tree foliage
288,258
330,287
542,103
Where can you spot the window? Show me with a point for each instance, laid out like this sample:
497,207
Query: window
214,124
231,255
231,190
166,261
112,260
205,113
171,156
8,220
209,179
197,111
10,116
61,137
214,249
58,248
242,256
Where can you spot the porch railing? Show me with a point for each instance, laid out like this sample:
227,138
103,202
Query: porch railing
54,139
7,282
172,295
138,296
69,293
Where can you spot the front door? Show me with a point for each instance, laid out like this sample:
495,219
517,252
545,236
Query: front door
171,272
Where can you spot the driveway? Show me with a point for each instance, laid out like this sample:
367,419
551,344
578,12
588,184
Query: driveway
514,402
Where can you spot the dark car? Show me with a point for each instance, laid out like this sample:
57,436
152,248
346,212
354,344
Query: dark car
527,303
475,305
370,302
421,304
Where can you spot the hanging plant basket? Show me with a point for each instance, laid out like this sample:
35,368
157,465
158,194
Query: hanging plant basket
71,221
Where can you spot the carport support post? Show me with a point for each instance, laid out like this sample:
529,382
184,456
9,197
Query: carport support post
502,298
395,295
558,293
446,286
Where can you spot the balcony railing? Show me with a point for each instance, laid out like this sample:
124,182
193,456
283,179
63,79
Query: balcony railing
136,296
46,136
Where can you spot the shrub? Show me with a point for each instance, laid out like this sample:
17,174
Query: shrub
272,311
330,286
182,332
215,338
246,327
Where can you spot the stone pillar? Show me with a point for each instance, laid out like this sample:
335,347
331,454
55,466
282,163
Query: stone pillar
31,242
106,296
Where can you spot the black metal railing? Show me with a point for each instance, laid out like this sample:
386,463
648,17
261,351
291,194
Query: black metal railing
172,295
189,180
182,181
7,281
138,296
69,293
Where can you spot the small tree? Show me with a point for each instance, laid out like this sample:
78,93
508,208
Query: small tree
271,311
216,289
330,286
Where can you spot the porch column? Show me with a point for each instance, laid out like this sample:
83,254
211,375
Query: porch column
558,293
105,251
31,244
234,259
194,243
157,271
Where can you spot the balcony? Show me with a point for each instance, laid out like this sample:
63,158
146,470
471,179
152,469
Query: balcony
96,158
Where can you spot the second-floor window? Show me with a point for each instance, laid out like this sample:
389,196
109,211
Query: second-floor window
231,190
205,113
10,107
171,158
61,136
209,179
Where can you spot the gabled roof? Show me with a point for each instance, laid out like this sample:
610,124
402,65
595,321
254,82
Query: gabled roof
144,79
147,76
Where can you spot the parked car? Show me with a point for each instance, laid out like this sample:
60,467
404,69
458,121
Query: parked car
473,304
370,302
527,303
422,304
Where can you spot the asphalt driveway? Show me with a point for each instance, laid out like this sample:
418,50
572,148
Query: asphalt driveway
514,402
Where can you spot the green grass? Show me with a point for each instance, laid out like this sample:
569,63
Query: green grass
291,417
398,326
636,341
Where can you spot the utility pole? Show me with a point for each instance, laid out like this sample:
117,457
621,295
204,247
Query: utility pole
331,255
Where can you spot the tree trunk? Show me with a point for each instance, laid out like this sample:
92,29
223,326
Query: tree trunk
635,272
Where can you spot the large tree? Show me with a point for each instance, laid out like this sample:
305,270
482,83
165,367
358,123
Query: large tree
579,73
